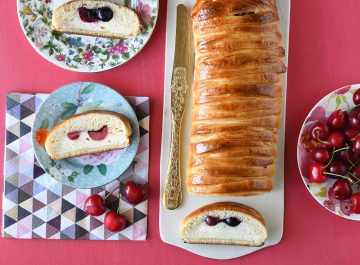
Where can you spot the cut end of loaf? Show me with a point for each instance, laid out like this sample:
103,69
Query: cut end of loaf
250,232
124,24
117,136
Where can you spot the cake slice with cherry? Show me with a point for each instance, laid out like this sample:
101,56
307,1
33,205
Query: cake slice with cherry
88,133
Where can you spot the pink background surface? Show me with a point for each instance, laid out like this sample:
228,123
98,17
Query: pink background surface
324,55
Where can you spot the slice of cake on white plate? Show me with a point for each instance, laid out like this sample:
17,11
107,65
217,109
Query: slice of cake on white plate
96,18
87,133
224,223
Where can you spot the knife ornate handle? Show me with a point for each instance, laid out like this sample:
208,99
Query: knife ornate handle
172,193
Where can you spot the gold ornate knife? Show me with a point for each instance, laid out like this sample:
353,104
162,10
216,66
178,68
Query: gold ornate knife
179,84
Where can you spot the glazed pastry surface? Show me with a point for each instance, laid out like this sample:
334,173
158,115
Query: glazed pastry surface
237,95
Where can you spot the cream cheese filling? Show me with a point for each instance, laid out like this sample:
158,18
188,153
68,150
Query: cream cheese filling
244,231
85,142
99,26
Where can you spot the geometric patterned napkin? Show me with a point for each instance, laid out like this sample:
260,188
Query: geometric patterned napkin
35,205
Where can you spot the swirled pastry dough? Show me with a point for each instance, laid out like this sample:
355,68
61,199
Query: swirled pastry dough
236,97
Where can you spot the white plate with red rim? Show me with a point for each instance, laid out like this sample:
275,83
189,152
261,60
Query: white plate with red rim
341,98
271,205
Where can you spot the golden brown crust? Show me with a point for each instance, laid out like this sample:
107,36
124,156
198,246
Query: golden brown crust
64,5
119,116
98,150
112,113
247,187
226,206
237,97
89,34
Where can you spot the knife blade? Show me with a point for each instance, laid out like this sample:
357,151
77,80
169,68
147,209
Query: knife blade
172,195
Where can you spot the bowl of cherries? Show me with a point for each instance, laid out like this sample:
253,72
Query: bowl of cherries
328,152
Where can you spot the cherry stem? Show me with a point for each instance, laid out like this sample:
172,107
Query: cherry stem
352,164
355,164
337,175
340,149
358,180
133,172
111,192
354,176
352,139
120,199
321,141
331,159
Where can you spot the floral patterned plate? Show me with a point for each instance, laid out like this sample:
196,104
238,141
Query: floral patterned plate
91,170
83,53
339,99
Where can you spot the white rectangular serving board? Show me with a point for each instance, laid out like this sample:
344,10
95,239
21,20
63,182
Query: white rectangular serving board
270,205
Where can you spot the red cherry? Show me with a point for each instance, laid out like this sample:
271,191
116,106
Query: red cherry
342,189
99,135
356,146
347,156
356,97
114,222
337,167
316,173
95,205
73,135
338,119
355,203
351,133
212,221
354,118
87,15
320,131
336,139
331,196
144,191
356,171
321,155
134,192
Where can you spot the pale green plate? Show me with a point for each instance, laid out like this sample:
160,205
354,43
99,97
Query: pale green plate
91,170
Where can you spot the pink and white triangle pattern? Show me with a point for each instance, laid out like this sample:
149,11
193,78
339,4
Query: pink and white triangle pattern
37,206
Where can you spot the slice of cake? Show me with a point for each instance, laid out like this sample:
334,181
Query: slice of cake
87,133
96,18
224,223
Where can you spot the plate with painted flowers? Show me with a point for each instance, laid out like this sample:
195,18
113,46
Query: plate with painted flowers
92,170
328,152
83,53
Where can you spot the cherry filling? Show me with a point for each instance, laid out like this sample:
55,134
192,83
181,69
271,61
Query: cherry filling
99,134
244,13
231,221
73,135
104,14
94,135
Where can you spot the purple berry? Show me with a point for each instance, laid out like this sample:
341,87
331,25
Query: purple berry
232,221
211,221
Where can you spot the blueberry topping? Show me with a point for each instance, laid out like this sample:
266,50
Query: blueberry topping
104,14
232,221
211,221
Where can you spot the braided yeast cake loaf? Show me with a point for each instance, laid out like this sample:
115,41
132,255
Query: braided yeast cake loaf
236,97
